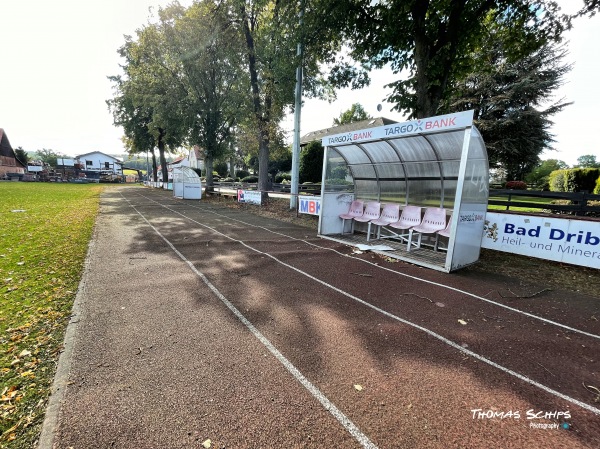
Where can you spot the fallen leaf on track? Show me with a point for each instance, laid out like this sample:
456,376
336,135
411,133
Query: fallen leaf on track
463,322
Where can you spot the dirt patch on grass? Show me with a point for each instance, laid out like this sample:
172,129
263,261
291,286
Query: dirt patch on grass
521,269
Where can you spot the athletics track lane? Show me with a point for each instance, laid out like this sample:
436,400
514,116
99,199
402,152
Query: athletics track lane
417,390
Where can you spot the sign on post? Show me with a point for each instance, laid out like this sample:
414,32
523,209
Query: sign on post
310,205
249,196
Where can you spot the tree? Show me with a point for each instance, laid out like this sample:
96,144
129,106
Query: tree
588,161
47,156
149,85
135,121
429,42
261,24
22,155
355,114
539,177
511,96
590,7
311,162
272,32
209,54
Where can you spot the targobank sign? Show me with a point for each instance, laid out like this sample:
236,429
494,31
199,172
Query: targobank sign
562,240
432,124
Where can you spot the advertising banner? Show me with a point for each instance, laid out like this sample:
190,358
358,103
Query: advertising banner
249,196
562,240
310,205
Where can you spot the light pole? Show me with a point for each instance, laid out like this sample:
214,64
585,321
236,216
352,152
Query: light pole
297,110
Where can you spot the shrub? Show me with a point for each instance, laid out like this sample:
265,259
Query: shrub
251,178
221,168
241,174
597,187
280,177
340,171
570,181
575,180
557,180
311,162
339,181
585,179
516,185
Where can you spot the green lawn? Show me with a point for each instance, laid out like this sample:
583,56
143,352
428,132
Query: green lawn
543,202
45,229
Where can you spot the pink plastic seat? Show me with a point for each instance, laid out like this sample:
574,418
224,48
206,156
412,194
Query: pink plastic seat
434,220
411,216
356,210
444,232
389,214
372,212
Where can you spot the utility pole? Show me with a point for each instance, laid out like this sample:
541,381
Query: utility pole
297,110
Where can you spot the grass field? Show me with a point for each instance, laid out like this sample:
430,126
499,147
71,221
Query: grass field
545,203
45,229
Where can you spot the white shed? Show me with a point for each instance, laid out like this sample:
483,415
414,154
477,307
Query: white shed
186,183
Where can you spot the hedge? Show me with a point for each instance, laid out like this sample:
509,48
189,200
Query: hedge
574,180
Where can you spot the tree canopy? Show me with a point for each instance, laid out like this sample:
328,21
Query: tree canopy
221,74
428,43
356,113
539,177
511,96
588,161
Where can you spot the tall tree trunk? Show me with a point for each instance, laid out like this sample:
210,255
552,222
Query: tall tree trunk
431,53
422,52
208,166
163,160
154,167
232,164
263,125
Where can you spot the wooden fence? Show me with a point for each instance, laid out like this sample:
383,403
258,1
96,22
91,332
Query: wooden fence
573,203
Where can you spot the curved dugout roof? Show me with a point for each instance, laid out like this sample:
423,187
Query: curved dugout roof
428,148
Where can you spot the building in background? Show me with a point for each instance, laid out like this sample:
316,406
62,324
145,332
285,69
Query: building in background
10,166
196,158
98,161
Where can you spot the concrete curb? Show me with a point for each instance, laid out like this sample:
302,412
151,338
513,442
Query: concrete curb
61,377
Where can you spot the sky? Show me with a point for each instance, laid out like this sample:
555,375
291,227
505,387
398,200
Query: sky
57,55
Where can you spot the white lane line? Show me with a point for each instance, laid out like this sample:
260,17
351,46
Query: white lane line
437,284
409,323
326,403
